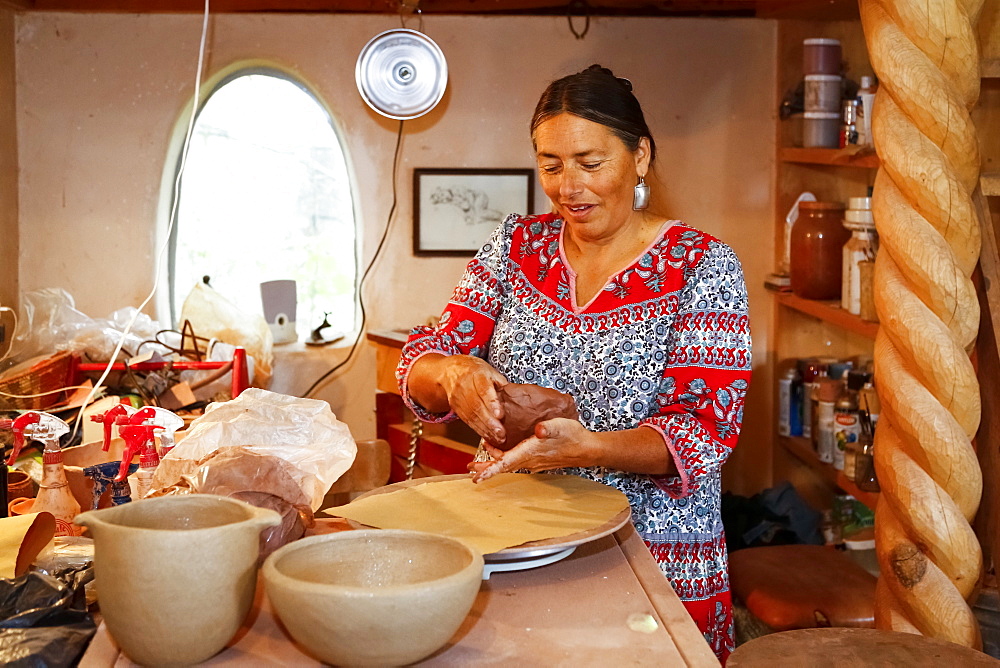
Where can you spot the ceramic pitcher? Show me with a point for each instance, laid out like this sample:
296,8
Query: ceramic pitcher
176,575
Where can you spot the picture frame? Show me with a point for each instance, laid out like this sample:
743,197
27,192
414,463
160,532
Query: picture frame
456,210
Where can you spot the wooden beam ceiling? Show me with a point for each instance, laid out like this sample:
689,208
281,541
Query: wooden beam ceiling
798,9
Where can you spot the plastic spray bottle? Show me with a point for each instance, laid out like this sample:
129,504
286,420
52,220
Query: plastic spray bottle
163,418
54,495
139,440
116,415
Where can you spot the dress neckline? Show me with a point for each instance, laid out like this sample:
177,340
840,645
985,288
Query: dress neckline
571,273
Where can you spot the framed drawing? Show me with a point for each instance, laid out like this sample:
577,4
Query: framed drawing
456,210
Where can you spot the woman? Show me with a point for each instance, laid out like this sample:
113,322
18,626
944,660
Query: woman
642,320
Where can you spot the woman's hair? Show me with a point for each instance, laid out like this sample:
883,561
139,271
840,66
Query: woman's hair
597,95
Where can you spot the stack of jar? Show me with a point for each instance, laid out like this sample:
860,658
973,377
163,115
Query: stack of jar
821,64
836,407
859,259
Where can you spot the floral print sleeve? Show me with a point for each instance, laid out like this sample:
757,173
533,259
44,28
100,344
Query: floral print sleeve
467,323
701,394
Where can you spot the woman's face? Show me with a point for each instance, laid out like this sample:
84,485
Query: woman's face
588,172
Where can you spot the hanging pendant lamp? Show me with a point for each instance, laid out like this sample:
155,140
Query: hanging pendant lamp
401,74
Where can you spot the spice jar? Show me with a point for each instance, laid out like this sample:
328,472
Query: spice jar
817,243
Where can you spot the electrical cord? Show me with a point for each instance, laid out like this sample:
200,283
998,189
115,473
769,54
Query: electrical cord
97,388
361,283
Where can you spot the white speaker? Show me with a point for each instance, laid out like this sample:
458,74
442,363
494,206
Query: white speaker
401,73
279,299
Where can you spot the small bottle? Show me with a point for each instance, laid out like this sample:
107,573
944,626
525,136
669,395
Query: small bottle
54,495
795,405
810,370
826,394
859,248
849,128
847,424
866,102
868,401
865,477
831,529
785,403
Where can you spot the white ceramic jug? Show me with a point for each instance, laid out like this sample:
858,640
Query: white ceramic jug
176,575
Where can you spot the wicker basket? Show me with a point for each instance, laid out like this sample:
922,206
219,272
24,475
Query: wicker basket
42,375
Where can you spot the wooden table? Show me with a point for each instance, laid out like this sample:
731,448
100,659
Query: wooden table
606,604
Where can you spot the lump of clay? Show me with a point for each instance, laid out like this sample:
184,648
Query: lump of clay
524,406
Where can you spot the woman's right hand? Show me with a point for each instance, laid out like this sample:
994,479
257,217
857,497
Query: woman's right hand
471,385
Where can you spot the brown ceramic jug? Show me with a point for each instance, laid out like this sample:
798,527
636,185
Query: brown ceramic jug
176,575
817,243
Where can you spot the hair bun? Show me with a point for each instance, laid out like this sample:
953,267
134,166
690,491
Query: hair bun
600,69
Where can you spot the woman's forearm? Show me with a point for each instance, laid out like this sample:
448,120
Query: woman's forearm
426,382
639,450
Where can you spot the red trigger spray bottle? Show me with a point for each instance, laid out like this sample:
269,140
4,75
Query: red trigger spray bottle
116,415
163,418
139,439
54,495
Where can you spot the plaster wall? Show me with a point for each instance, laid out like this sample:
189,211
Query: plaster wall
99,94
8,163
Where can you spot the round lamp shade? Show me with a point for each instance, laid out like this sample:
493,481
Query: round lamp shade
401,74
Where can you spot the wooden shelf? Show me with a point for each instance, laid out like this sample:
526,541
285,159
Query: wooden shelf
828,311
803,451
861,158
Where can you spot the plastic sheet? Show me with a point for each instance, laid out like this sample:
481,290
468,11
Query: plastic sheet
44,620
49,322
304,433
212,315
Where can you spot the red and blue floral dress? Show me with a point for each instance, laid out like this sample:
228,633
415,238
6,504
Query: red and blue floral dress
665,345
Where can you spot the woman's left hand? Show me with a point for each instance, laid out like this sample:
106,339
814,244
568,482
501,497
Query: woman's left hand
557,443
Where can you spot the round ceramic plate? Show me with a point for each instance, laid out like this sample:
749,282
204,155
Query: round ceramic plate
526,551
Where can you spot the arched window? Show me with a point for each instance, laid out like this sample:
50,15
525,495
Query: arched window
265,195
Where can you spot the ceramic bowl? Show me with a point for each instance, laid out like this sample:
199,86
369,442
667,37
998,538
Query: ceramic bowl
371,597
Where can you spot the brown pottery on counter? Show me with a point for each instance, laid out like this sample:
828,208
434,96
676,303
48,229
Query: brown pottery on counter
817,244
373,598
176,574
19,485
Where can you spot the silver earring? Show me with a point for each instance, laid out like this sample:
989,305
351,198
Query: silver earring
641,198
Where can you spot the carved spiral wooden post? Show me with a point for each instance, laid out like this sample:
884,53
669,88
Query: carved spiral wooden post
926,57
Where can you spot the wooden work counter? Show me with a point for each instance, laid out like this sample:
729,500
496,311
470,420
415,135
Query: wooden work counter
605,604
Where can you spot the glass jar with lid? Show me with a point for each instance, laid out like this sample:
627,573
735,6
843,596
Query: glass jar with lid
817,243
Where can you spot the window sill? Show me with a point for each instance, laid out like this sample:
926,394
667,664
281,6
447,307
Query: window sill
296,365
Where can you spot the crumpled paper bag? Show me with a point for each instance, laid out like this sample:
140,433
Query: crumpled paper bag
524,406
303,433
